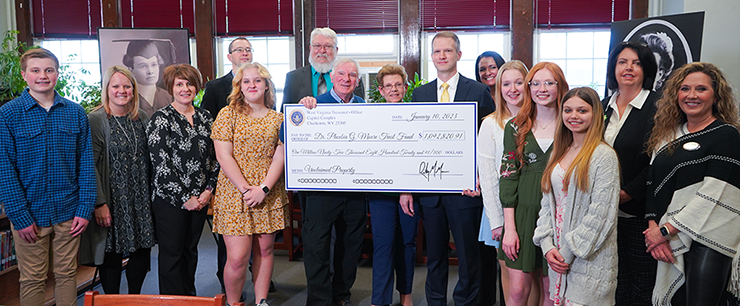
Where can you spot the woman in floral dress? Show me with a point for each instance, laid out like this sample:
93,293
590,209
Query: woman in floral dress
527,146
250,204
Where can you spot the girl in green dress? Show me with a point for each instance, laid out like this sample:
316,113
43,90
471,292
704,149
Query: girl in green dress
527,145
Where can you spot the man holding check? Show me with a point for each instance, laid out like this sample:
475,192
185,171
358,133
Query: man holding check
345,211
459,213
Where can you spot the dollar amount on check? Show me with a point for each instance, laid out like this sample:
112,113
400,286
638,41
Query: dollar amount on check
412,147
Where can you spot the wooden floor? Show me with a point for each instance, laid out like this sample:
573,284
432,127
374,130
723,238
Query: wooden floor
10,294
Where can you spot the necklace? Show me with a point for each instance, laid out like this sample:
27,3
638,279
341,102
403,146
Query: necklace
548,123
124,131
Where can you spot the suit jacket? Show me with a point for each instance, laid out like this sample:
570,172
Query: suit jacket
298,85
630,148
467,90
214,99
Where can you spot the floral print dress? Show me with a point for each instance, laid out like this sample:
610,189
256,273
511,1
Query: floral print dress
254,142
561,192
520,189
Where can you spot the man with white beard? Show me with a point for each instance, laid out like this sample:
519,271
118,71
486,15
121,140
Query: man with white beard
314,80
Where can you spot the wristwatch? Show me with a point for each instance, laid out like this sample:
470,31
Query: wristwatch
665,232
265,189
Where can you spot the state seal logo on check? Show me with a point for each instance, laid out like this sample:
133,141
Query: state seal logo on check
296,117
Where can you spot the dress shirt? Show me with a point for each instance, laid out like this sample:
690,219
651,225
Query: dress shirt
315,81
336,97
451,90
46,163
616,121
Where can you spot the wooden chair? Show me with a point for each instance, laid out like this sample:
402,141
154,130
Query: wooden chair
93,298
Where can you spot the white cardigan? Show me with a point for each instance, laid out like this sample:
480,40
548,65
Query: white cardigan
589,241
490,152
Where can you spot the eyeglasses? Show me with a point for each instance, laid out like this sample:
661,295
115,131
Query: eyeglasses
548,84
325,47
242,50
391,86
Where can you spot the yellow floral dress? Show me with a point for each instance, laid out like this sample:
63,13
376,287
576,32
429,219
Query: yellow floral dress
254,142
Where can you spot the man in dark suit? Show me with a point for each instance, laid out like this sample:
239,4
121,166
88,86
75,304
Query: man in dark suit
442,213
314,80
214,99
344,211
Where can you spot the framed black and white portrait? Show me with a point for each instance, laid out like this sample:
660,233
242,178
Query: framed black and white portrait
675,40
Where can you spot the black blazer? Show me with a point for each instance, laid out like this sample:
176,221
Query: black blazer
630,146
467,90
214,99
298,85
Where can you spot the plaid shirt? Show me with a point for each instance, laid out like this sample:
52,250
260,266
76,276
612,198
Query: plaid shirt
46,164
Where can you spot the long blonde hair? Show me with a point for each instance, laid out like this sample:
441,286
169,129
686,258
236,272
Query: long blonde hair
502,110
236,98
670,116
564,138
132,107
525,117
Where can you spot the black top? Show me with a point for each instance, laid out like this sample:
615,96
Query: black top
711,152
630,146
182,155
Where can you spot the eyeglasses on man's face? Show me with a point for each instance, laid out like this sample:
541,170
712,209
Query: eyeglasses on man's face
326,47
242,50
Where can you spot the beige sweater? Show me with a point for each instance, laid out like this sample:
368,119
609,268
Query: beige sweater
589,241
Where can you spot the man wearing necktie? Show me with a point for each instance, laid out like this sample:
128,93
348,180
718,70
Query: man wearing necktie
313,80
456,213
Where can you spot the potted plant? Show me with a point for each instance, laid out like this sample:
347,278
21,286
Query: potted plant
11,81
375,97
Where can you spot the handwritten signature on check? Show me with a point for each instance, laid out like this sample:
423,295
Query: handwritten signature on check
428,170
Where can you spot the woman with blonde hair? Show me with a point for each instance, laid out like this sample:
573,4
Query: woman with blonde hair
250,204
508,97
693,189
527,146
123,212
577,223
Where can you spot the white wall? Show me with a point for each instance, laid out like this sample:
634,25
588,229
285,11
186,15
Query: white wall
7,15
721,41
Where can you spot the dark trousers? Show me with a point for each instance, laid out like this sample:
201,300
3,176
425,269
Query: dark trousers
394,247
347,213
464,224
636,268
707,274
178,233
488,274
139,263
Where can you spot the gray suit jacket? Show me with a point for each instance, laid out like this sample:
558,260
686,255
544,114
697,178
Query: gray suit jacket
298,85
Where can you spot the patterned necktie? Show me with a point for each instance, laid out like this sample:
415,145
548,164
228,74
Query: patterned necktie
322,85
445,93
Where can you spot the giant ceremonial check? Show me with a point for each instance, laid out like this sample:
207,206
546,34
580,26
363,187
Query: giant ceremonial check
412,147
